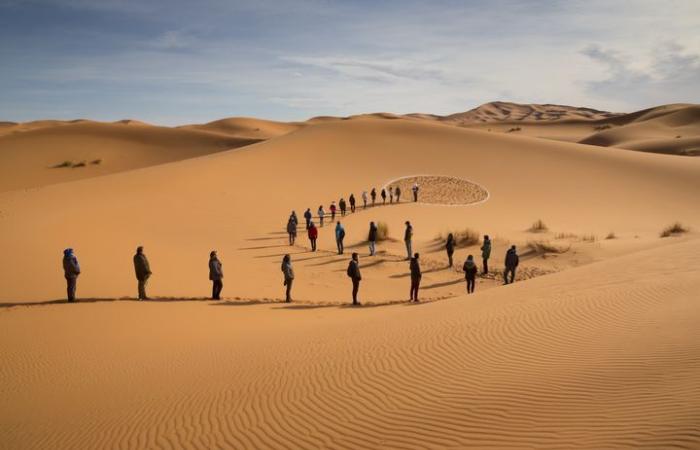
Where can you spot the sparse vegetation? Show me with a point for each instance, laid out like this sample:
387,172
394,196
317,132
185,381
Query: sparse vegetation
673,230
96,162
611,235
538,227
565,236
589,238
63,164
463,238
603,127
542,247
512,130
79,164
382,231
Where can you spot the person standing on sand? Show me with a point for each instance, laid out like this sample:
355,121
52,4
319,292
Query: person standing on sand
288,272
355,276
292,230
364,199
383,194
307,217
486,253
416,275
373,194
321,214
339,236
512,261
415,192
143,271
313,235
408,239
333,209
470,270
216,275
450,247
293,216
391,194
352,203
343,207
372,238
71,270
397,193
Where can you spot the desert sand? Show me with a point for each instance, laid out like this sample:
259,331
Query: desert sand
596,345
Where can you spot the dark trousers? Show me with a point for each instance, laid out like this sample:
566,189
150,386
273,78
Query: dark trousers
355,289
486,265
142,288
449,257
71,283
308,223
288,283
339,242
471,282
321,220
292,238
352,208
313,245
342,213
216,287
415,284
333,216
508,270
415,196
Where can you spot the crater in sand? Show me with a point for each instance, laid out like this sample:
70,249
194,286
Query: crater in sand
440,190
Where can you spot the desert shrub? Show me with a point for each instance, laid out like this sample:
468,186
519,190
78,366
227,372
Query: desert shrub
463,238
673,229
382,231
565,236
538,227
512,130
96,162
542,247
603,127
611,235
63,164
80,164
589,238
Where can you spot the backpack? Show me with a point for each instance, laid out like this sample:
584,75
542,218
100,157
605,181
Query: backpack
350,271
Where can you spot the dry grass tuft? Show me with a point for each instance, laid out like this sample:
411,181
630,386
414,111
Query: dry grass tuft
538,227
542,247
673,229
382,231
611,235
566,236
589,238
463,238
63,164
96,162
79,164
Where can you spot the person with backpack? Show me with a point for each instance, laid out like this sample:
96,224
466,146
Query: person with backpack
373,194
486,253
143,272
397,194
408,239
313,235
71,271
352,203
372,238
364,199
288,272
415,192
321,214
343,207
333,209
216,275
383,196
470,270
416,276
292,230
307,217
355,276
293,216
450,247
512,261
339,236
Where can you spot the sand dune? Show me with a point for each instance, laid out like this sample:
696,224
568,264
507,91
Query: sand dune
248,127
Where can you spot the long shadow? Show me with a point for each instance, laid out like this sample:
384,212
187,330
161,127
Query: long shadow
443,284
281,254
263,247
408,274
105,300
246,302
264,238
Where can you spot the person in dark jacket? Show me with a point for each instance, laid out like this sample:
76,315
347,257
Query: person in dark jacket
71,270
292,230
216,275
450,247
391,194
416,275
397,194
307,217
321,214
470,270
355,276
313,235
339,236
288,272
293,217
373,194
352,202
512,261
415,192
343,207
383,194
333,210
408,239
143,272
486,253
372,239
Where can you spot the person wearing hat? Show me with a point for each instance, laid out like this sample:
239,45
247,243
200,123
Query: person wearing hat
71,270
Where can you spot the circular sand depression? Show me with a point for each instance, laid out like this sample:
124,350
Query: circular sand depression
440,190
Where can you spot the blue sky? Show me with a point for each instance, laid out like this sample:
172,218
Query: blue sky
175,62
